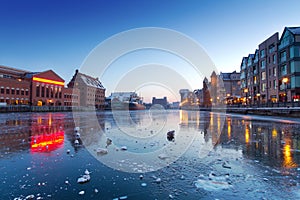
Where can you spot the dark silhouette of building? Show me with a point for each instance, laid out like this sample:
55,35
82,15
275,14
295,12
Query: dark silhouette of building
163,102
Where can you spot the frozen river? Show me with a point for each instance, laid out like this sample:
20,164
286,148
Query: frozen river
128,156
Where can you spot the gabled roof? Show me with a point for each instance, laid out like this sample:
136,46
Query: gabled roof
90,81
49,74
251,56
292,30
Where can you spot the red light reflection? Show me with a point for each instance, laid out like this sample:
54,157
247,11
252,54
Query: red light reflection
47,142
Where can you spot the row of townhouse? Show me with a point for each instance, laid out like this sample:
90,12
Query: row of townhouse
272,73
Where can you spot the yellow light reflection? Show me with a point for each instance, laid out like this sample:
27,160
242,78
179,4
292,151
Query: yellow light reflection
274,133
287,156
39,120
247,134
229,129
183,117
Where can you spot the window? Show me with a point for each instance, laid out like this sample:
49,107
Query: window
295,81
274,59
263,64
51,92
283,56
38,91
270,72
47,92
18,91
263,87
7,90
254,80
283,70
43,91
12,91
2,90
262,53
26,92
274,71
263,76
270,84
275,84
294,51
295,66
22,92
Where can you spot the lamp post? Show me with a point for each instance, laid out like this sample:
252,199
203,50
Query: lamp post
246,91
285,80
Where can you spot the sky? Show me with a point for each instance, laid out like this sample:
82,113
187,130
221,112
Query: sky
39,35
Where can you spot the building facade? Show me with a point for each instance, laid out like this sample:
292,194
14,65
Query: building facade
272,74
289,64
91,90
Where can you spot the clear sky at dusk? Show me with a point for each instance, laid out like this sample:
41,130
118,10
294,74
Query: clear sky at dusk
38,35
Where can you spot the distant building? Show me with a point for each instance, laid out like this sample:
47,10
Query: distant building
231,83
163,102
92,92
206,94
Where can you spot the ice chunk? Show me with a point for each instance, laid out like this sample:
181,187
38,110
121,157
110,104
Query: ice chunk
85,178
211,185
76,142
123,197
81,192
86,172
102,151
158,180
124,148
29,197
163,156
96,190
144,184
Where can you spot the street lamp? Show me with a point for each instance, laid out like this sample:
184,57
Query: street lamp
285,80
246,91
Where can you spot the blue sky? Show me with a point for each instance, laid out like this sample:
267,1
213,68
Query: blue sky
38,35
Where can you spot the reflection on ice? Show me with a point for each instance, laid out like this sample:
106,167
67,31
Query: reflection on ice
214,156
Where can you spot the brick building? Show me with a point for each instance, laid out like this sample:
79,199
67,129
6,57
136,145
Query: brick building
91,90
20,87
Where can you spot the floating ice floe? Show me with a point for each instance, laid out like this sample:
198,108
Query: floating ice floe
158,180
76,129
29,197
81,192
124,148
213,182
76,142
144,184
68,151
108,142
163,156
96,190
212,185
85,178
77,135
102,151
123,197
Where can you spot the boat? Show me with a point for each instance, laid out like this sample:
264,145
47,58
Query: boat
126,101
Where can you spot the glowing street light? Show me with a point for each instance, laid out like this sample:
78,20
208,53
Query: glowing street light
285,80
246,91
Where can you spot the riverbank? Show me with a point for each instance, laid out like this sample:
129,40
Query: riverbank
25,108
266,111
